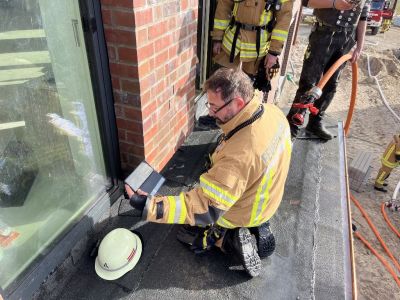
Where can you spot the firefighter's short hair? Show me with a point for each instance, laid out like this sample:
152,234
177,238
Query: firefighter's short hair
230,83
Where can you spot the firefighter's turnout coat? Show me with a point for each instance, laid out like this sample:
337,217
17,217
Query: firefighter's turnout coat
390,160
251,13
244,186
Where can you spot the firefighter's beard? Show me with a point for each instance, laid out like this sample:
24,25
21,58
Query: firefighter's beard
224,119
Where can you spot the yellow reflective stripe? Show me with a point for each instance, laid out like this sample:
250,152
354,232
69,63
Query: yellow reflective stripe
389,164
177,209
257,200
221,24
225,223
278,38
171,211
391,149
217,193
381,178
266,196
235,9
182,215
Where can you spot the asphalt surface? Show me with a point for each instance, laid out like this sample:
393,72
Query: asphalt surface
309,261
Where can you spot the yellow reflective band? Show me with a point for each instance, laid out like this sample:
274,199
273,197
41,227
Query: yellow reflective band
391,149
389,164
171,211
381,178
183,210
266,196
221,24
257,200
217,193
284,1
235,9
278,38
225,223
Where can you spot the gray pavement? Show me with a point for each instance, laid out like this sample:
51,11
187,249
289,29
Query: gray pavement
309,261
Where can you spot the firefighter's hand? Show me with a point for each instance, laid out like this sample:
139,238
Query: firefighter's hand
217,47
356,55
270,60
342,4
138,199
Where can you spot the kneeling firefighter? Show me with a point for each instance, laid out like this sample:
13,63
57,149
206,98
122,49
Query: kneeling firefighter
243,188
390,160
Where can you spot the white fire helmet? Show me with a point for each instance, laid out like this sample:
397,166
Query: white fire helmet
118,253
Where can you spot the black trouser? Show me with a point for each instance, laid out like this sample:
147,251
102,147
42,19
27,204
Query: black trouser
324,49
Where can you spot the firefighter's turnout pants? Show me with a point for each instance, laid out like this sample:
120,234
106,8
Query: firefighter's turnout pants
326,45
390,160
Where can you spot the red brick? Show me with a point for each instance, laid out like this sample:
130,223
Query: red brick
129,125
172,23
149,135
122,18
115,83
163,42
119,37
145,52
158,12
158,29
127,54
106,16
147,82
145,68
123,70
139,3
149,109
142,37
184,4
143,17
172,51
134,138
132,113
121,134
112,53
131,86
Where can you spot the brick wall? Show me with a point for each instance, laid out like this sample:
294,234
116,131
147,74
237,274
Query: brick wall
152,54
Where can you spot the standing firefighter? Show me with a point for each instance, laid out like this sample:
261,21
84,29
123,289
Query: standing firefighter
251,32
337,29
244,185
390,160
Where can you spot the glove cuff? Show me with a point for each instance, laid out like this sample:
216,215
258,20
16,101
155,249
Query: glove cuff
138,201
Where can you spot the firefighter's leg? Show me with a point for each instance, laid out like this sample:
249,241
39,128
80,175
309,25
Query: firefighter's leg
383,174
315,58
342,42
241,244
200,238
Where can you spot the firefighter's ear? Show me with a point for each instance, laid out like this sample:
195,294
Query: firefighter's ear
240,102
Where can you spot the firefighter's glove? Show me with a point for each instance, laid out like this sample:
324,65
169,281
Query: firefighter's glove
397,157
138,201
273,71
194,237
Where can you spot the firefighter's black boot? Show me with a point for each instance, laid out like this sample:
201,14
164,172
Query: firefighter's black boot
315,127
265,239
240,243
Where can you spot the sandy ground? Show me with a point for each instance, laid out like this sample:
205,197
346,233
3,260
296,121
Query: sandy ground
371,130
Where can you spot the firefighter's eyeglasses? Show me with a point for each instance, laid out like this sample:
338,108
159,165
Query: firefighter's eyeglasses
215,111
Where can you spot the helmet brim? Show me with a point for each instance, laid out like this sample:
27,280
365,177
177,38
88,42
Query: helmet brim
112,275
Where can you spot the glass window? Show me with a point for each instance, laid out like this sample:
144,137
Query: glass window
51,160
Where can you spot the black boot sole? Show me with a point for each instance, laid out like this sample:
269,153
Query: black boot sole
266,245
250,259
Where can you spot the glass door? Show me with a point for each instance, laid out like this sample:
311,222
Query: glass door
51,160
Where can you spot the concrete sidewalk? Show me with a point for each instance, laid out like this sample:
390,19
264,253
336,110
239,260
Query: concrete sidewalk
311,259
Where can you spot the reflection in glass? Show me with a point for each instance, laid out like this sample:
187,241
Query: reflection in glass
51,160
